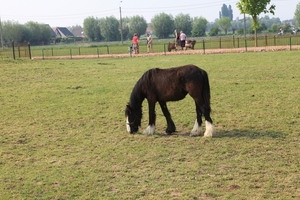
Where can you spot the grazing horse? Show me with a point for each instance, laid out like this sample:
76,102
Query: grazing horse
173,84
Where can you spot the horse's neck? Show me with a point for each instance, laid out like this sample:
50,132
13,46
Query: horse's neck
136,98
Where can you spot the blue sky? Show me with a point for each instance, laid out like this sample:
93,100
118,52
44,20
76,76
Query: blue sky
68,13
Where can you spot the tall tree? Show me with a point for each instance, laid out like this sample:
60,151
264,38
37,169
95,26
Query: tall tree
162,25
226,12
137,24
13,31
199,27
39,33
297,15
183,22
224,23
91,29
109,27
125,28
254,8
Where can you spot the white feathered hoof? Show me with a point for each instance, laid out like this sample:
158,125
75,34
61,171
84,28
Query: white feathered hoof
210,129
149,130
197,130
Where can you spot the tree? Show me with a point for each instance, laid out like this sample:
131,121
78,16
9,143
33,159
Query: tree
297,15
91,29
224,23
125,28
287,28
254,8
109,28
214,31
39,33
183,22
274,28
162,25
226,12
199,26
137,24
13,31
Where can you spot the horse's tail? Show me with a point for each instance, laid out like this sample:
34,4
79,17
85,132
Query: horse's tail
206,92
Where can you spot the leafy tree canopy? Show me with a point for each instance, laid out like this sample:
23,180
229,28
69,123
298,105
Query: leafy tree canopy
224,23
109,28
137,24
162,25
297,15
199,26
91,28
254,8
183,22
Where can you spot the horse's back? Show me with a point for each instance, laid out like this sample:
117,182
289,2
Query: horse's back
175,83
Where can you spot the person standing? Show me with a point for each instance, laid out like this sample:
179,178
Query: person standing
182,40
149,43
135,42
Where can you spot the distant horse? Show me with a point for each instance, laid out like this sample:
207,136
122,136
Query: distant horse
190,44
173,84
171,46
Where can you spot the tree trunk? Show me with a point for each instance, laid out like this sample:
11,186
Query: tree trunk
255,37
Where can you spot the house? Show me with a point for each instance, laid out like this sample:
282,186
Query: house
78,32
62,32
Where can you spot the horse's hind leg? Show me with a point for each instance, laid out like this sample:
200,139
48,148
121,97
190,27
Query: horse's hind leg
197,130
210,129
170,124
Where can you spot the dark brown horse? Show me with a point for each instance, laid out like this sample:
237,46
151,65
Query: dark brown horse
173,84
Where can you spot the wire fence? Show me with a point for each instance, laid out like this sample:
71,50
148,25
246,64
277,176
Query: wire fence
202,46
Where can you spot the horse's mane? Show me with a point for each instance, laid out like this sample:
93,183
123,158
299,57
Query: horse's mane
138,94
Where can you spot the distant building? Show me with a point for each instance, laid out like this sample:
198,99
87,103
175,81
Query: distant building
78,32
62,32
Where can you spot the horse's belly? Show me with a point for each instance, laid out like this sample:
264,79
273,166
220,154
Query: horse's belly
172,96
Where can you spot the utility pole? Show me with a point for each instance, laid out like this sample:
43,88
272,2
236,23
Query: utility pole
121,26
1,35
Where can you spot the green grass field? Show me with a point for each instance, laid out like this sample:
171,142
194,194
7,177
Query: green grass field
63,133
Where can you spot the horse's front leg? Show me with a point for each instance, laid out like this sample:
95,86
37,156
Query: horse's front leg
152,117
171,126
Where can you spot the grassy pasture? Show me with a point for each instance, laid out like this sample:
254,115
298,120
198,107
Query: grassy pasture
63,134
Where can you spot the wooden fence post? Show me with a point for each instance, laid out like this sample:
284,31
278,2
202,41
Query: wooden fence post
29,50
203,46
13,49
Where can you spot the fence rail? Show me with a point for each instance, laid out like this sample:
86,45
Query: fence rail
231,44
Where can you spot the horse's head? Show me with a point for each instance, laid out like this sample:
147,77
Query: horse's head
133,119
